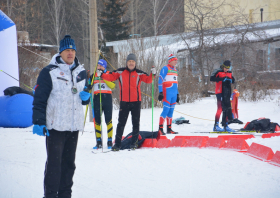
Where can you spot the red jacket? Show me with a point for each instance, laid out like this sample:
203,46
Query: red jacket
129,82
218,76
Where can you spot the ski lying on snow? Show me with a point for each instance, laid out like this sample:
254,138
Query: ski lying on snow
234,132
101,151
228,132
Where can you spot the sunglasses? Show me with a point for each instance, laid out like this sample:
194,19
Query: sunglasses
227,67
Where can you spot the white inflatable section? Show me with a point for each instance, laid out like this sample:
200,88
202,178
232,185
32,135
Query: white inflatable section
8,53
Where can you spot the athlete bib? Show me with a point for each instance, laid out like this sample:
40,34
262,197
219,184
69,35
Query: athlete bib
171,76
100,86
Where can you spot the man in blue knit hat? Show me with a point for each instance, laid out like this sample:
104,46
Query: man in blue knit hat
58,115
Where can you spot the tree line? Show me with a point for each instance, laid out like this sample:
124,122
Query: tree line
47,21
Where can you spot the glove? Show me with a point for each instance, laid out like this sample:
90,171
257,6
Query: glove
84,95
153,70
229,80
160,96
88,88
178,98
99,72
40,130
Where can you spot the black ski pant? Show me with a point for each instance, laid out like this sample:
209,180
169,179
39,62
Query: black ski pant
226,104
219,107
125,108
60,166
107,106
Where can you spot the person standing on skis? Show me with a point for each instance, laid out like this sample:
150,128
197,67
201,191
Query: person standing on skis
223,78
168,93
103,87
130,80
58,115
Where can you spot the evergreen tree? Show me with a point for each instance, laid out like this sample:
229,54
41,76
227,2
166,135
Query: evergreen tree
111,20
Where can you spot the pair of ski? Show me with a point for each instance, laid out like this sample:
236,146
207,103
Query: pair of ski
96,151
107,151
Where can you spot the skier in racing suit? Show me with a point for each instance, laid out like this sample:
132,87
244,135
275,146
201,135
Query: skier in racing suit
168,93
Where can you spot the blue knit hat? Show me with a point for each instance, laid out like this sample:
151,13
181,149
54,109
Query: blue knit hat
67,43
103,63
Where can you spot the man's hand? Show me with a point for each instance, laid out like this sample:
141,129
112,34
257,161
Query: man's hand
229,80
178,98
160,96
153,70
40,130
84,95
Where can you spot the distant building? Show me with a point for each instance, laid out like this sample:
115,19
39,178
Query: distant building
254,49
254,11
32,58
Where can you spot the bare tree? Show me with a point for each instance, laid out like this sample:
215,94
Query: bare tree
57,17
163,13
207,46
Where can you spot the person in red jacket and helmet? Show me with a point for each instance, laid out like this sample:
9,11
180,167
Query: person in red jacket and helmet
130,80
223,78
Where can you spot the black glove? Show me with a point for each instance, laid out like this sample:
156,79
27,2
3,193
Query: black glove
160,96
88,88
178,98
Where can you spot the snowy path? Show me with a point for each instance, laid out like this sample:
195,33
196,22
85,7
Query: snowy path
171,172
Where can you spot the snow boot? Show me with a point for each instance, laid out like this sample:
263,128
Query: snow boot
170,131
217,128
116,147
133,146
98,145
235,121
160,130
226,128
109,143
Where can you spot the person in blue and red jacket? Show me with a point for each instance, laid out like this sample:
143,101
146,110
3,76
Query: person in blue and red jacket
223,78
168,93
130,80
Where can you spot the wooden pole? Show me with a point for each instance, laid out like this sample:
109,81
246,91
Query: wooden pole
94,53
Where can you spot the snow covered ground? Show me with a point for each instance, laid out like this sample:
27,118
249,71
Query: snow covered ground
170,172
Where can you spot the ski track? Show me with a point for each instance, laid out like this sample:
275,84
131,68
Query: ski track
169,172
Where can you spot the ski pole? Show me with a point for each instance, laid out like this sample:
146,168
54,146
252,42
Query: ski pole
100,102
17,80
92,108
153,110
92,80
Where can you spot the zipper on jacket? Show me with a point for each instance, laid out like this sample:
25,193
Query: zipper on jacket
129,86
62,79
72,103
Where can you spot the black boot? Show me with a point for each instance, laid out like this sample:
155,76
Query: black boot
116,147
134,146
160,130
109,143
170,131
235,121
98,145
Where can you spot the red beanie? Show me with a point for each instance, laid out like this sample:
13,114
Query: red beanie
172,57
